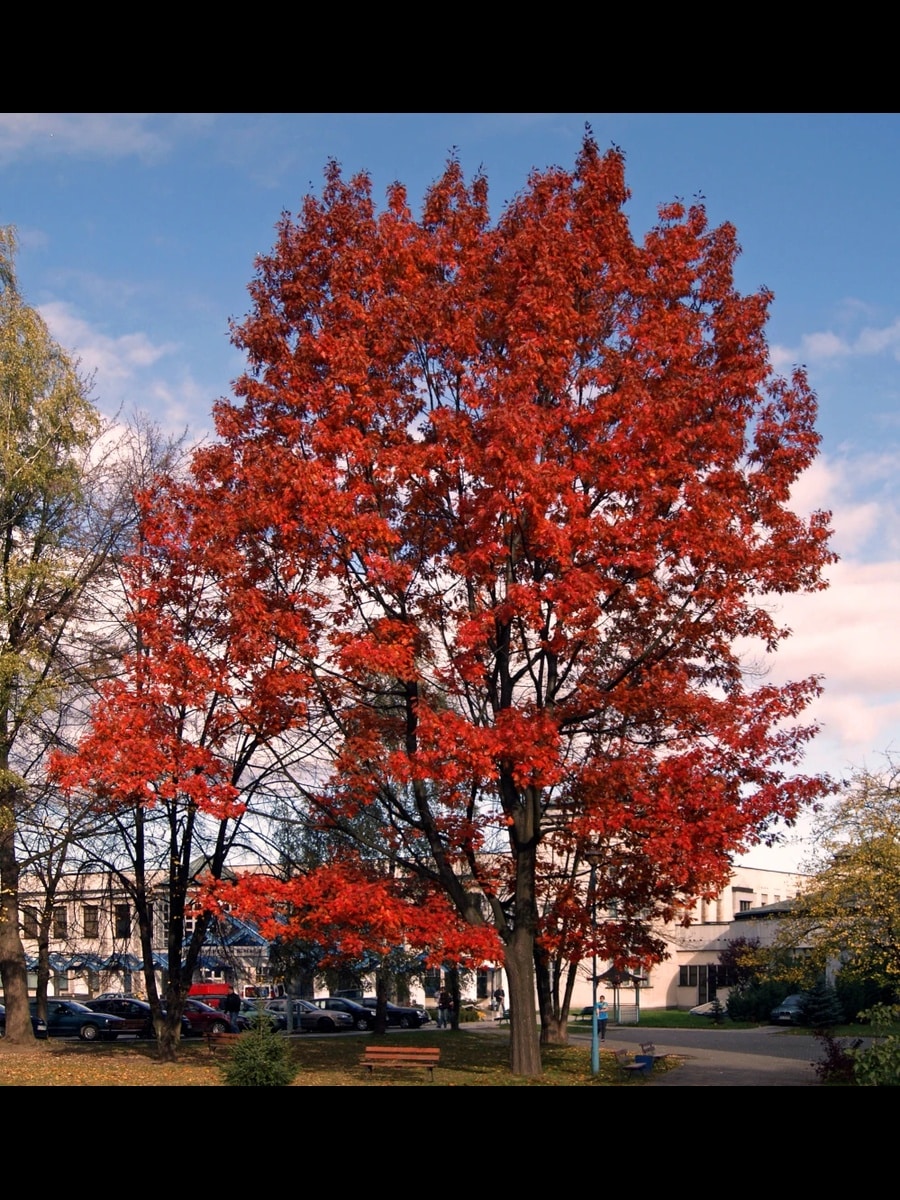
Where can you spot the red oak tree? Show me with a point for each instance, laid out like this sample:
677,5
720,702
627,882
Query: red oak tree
179,744
535,476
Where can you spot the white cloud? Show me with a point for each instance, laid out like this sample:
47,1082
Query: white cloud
848,633
147,136
827,346
110,358
860,491
122,370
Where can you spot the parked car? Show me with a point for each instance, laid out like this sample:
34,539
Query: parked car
137,1014
38,1024
403,1016
363,1018
711,1008
791,1011
68,1018
251,1009
309,1017
203,1018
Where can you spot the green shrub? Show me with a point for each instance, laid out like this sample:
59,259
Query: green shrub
838,1062
755,1002
823,1007
260,1058
879,1065
857,994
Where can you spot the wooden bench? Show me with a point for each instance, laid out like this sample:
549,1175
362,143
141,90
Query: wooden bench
397,1056
649,1049
631,1069
221,1041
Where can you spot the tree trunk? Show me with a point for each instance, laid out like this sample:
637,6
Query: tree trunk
554,1023
381,990
524,1047
168,1035
13,973
43,966
452,985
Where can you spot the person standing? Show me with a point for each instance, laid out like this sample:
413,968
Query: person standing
231,1006
602,1017
445,1008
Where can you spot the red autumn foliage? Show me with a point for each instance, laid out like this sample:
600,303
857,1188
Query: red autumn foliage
350,912
534,476
177,742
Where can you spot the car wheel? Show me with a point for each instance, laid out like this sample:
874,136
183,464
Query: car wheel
362,1023
325,1025
405,1022
89,1033
219,1027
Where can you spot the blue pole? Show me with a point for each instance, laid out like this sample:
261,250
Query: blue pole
595,1032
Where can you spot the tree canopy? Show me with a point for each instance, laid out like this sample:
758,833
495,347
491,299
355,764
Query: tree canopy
67,514
517,496
58,524
848,917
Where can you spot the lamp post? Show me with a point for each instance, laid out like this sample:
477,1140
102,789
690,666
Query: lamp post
592,857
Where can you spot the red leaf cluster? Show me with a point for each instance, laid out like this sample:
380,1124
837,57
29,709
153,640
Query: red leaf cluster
351,912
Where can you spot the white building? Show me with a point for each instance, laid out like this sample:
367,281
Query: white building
95,946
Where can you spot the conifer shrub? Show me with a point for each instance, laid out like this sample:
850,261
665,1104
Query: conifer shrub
260,1058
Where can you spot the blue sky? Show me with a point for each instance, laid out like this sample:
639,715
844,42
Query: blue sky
138,233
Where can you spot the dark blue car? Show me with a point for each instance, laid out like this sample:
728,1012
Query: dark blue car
68,1018
38,1024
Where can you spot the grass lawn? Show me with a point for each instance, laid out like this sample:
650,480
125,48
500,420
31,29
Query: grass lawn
674,1018
467,1060
666,1018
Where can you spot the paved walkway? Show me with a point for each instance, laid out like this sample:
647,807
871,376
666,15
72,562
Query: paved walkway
764,1057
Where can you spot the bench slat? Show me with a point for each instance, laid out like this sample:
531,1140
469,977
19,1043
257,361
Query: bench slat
401,1057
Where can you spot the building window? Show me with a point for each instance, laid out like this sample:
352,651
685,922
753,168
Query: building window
123,921
704,977
745,906
90,918
30,922
161,909
432,982
60,922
